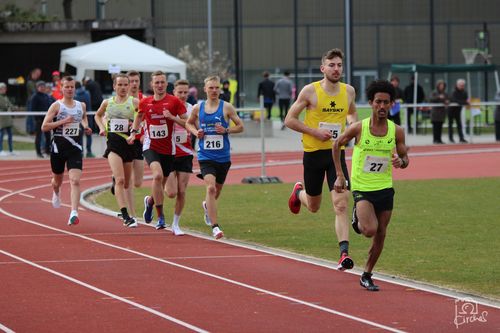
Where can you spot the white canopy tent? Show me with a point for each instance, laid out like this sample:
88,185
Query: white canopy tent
123,53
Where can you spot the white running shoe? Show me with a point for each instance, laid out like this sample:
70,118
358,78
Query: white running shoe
205,217
217,233
56,200
176,230
73,219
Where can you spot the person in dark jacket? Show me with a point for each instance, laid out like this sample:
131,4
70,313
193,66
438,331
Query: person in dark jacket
461,97
40,101
438,113
83,95
395,113
266,89
408,98
225,94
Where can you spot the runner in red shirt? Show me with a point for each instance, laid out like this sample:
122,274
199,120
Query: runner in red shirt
159,112
183,164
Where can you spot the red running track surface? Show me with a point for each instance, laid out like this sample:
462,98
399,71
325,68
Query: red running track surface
101,277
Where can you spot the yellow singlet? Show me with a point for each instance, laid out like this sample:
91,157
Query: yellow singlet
330,113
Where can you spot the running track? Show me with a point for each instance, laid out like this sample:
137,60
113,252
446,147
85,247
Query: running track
101,277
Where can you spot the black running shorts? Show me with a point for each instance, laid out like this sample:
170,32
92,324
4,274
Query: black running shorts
138,150
184,164
381,200
219,170
72,158
166,161
118,145
316,165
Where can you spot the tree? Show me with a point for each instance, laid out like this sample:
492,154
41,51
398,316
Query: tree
198,64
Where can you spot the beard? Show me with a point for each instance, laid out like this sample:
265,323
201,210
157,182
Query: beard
333,79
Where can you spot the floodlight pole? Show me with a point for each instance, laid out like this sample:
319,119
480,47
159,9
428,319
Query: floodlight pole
209,29
348,41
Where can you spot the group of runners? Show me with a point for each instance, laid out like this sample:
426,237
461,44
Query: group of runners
159,128
156,128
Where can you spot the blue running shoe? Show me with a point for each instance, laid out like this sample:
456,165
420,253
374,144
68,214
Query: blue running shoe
148,210
161,223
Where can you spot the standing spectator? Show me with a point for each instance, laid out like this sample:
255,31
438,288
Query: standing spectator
438,113
461,97
95,92
497,117
6,122
408,98
30,90
56,85
192,95
83,95
266,89
225,94
40,101
284,89
395,114
171,78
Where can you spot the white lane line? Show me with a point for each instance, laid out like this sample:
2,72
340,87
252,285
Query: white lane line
218,277
106,293
6,329
135,259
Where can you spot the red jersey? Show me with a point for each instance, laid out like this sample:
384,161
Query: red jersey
182,137
158,130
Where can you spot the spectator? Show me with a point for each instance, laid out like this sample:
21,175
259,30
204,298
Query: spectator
34,76
95,92
225,94
192,95
56,85
41,101
284,89
395,114
266,89
408,98
83,95
170,83
6,122
438,113
461,97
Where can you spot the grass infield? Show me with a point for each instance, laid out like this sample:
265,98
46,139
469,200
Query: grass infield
444,232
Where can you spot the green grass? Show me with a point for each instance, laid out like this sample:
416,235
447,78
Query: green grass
444,232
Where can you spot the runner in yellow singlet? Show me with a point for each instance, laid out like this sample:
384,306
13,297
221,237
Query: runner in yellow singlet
328,103
371,174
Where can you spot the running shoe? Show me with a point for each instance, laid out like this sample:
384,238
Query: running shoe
56,200
354,221
161,223
148,210
113,182
217,233
205,217
367,282
130,222
73,219
345,262
294,201
176,230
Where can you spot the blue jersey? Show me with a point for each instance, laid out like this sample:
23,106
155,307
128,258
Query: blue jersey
213,147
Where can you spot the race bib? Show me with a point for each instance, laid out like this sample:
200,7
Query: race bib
180,136
213,142
118,125
158,131
375,164
71,129
334,128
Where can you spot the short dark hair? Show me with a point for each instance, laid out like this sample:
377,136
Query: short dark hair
333,53
181,82
133,73
265,74
380,86
116,76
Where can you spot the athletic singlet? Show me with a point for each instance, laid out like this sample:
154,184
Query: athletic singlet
68,135
330,113
213,147
371,159
120,116
182,137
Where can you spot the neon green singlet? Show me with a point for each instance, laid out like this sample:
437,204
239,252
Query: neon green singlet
371,159
330,112
119,116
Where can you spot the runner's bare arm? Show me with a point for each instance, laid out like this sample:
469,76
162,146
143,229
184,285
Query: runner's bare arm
352,114
99,117
192,122
135,127
48,123
401,160
85,121
231,114
352,131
